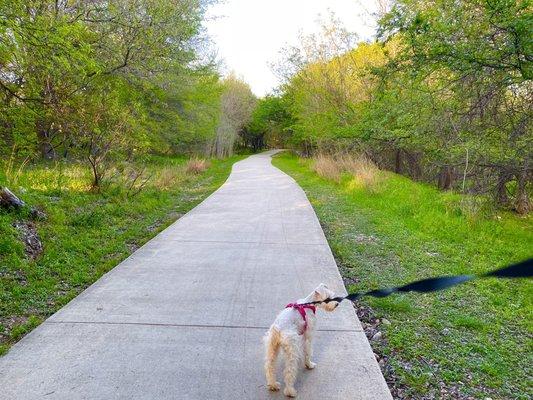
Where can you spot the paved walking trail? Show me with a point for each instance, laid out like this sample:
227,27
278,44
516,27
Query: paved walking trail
183,317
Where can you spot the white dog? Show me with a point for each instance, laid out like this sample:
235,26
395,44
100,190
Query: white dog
293,331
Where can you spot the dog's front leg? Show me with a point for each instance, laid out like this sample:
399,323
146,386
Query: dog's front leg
308,350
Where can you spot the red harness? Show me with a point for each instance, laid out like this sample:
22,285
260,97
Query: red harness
301,309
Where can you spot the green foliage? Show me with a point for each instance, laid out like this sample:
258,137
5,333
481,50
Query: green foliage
444,94
93,79
237,103
270,123
470,59
478,333
327,98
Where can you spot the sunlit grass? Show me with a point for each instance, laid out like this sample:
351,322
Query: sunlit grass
87,232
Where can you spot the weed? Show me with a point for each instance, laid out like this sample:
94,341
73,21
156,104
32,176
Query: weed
20,330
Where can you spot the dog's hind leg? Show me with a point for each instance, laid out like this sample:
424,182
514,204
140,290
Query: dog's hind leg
308,350
272,343
291,347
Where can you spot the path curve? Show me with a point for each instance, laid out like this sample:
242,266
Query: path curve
183,317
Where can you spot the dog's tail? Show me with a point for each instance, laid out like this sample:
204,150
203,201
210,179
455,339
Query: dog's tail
274,339
272,342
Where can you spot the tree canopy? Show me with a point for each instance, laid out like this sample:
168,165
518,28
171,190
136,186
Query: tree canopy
444,94
87,78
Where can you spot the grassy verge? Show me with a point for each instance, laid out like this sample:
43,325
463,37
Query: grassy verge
86,234
473,341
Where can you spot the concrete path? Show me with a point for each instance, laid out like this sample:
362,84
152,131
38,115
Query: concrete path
183,317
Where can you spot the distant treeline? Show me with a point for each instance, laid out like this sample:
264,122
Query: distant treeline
92,80
444,95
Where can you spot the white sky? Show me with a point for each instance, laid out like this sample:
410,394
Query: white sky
249,34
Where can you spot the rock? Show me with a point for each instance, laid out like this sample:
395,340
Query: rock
376,356
30,237
37,214
385,321
445,331
377,336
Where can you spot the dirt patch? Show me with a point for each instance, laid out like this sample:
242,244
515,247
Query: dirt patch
132,246
172,216
7,324
345,274
17,275
371,325
28,234
365,239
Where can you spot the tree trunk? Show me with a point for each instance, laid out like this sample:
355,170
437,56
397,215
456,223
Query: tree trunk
8,199
43,136
415,170
446,177
398,161
306,149
522,199
502,197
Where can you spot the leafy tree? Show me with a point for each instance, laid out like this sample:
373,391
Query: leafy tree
443,95
236,106
104,77
473,58
270,123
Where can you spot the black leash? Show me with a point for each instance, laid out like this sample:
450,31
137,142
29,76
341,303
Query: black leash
523,269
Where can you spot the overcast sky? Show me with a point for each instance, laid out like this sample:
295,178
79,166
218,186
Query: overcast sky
248,34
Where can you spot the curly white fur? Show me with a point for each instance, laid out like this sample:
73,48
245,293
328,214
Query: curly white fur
286,333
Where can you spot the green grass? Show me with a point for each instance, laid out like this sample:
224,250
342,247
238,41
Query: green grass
476,337
85,233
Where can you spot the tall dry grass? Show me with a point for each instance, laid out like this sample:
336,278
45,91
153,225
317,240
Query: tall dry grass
196,166
169,177
363,171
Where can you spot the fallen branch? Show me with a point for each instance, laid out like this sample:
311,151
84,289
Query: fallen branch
8,199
